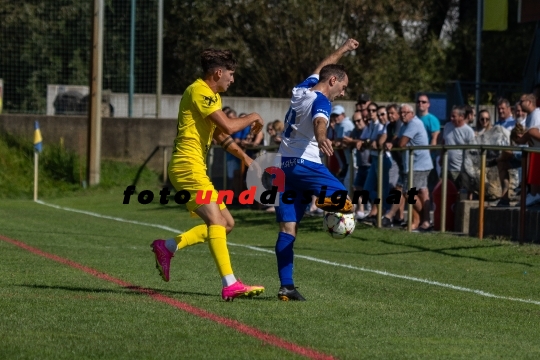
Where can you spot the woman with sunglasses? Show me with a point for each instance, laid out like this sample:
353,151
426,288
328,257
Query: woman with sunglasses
483,124
362,160
373,138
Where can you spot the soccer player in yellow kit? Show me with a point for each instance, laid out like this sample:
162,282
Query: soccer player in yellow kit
200,119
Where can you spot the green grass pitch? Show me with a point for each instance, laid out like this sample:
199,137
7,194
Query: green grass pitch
357,308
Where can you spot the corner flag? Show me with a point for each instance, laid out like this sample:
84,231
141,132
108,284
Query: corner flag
37,137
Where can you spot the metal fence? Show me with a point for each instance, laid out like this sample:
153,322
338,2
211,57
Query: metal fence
482,149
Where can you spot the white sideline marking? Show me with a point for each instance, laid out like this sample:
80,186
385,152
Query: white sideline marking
378,272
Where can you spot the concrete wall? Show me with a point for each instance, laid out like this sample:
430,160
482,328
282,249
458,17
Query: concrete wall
126,139
144,105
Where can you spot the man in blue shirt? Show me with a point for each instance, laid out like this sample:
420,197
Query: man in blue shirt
431,123
505,115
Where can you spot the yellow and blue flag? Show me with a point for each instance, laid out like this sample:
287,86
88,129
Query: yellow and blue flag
37,137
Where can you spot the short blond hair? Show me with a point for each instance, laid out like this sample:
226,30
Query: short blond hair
278,125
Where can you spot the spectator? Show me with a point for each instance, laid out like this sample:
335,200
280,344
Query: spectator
431,123
505,115
470,115
251,141
333,162
520,116
531,137
234,170
344,127
457,132
362,104
278,128
392,131
362,160
271,133
484,122
374,137
413,133
382,115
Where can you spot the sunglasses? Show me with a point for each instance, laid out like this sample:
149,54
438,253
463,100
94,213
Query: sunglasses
357,121
422,101
484,119
381,114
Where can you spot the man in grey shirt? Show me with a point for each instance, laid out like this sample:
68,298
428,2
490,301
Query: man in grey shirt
457,132
413,133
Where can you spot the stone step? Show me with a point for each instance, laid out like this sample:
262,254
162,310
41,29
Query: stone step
504,221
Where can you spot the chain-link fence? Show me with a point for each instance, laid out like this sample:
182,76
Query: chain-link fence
45,60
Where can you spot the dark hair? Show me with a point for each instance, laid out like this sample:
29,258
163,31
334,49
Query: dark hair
423,94
213,58
503,101
374,104
392,106
468,110
460,109
336,70
484,111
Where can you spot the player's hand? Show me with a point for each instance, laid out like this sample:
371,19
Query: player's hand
389,146
350,45
359,145
257,126
256,168
325,146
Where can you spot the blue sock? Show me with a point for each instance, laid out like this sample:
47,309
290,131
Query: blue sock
285,256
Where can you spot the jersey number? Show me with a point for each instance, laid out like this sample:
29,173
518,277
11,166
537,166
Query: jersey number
290,118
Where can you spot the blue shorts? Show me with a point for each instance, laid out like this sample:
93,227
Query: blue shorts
304,178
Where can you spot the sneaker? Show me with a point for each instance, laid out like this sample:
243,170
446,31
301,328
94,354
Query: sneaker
229,293
163,258
386,222
428,229
532,199
285,294
359,215
369,220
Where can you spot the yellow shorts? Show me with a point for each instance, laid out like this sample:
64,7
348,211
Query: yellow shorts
193,180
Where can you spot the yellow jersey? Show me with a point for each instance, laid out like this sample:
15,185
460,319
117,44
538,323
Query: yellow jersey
195,130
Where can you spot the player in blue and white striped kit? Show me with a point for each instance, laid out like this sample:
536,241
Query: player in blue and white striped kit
303,141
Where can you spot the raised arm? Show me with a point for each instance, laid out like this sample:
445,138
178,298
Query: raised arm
333,58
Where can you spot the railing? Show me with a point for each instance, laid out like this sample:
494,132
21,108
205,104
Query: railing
444,173
444,176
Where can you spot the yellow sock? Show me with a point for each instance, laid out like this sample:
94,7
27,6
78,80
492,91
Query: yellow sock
195,235
217,241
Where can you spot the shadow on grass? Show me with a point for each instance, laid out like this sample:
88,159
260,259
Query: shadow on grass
444,251
132,290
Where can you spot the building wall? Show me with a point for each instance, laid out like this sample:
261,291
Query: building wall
126,139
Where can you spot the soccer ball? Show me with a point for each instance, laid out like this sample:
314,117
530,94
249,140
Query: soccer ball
338,225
